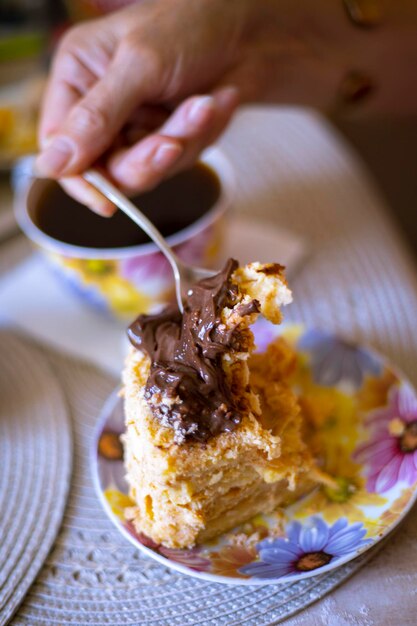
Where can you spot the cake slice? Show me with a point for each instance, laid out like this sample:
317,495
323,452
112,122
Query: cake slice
213,432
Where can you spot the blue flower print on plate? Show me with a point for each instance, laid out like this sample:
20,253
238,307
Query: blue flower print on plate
306,547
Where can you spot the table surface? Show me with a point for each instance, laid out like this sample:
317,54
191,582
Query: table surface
388,146
358,280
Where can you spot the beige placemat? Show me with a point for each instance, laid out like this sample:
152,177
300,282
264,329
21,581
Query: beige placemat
35,466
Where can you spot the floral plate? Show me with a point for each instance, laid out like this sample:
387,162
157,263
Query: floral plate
362,414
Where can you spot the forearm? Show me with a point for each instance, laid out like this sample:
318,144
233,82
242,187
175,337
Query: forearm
328,61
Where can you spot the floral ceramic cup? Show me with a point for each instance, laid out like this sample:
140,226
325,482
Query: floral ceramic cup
126,281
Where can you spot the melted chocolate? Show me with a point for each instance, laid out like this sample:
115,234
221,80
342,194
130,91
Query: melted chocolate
247,309
187,389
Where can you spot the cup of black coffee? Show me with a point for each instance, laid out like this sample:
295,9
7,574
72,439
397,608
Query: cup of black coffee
110,262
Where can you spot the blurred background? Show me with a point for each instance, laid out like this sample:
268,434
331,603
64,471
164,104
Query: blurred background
29,30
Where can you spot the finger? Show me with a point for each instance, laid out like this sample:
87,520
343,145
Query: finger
191,118
151,159
86,194
140,167
198,115
195,124
70,79
95,120
59,97
226,101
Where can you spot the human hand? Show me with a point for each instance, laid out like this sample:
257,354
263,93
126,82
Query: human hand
114,86
122,90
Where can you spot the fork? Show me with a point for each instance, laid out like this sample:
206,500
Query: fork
184,274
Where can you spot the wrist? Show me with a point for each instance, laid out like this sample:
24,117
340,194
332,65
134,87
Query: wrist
314,54
291,45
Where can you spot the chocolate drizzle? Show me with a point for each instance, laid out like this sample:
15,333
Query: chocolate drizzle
187,389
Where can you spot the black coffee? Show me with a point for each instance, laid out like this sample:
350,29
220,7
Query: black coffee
173,205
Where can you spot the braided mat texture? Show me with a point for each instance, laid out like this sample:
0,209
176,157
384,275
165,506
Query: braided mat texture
358,281
36,458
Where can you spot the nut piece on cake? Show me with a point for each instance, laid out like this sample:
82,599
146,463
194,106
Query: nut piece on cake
212,433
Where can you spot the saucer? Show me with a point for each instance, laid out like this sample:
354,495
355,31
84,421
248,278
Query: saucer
365,425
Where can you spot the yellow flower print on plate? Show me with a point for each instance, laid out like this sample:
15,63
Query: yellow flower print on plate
118,502
345,494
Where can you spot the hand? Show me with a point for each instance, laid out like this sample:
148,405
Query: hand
115,81
122,89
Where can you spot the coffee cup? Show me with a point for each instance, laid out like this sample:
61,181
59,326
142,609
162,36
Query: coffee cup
109,262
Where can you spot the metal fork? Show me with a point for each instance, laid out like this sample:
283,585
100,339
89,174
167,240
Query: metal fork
183,274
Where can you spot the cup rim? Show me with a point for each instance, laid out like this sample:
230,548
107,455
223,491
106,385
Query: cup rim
214,157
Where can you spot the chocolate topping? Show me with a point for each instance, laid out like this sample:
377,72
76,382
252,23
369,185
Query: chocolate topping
272,269
248,308
187,389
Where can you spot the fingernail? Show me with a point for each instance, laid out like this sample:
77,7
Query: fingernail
55,157
99,204
166,155
104,210
226,96
200,109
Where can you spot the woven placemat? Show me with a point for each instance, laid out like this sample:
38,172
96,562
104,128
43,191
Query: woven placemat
36,457
95,576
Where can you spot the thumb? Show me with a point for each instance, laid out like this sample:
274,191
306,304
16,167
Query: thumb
94,121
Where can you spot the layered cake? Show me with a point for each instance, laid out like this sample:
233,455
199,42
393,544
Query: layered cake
213,429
